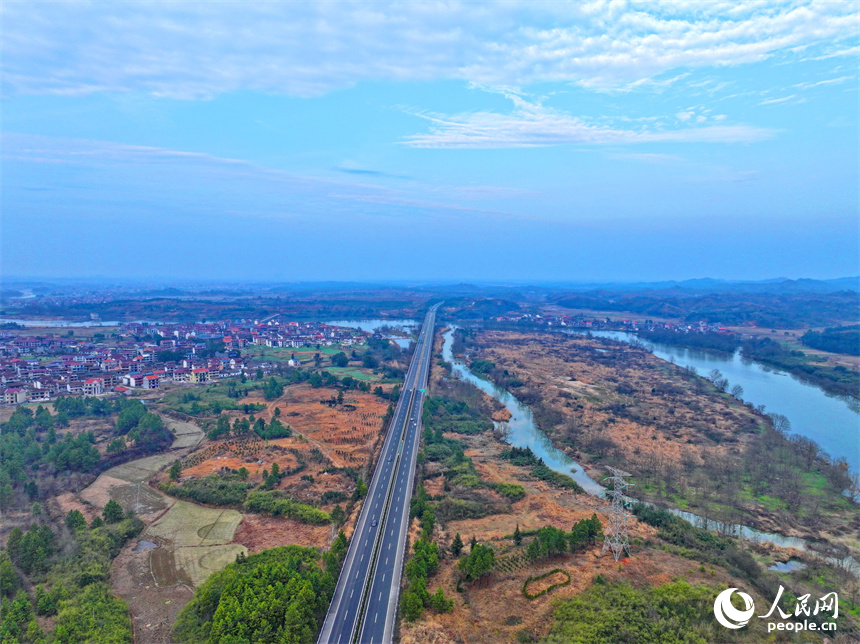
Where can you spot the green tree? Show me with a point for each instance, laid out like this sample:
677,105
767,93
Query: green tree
457,545
175,471
8,578
518,537
273,389
337,515
413,607
339,359
113,512
478,563
243,473
117,445
440,603
75,520
360,489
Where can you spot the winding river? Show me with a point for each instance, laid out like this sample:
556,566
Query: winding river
523,432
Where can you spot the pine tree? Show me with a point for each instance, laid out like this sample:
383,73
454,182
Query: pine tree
457,545
75,520
518,537
113,512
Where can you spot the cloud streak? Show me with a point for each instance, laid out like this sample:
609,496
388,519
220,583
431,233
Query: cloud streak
198,50
299,195
532,125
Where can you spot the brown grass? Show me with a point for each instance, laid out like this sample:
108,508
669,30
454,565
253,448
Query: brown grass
259,532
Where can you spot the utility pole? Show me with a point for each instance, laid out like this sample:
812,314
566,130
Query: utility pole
616,537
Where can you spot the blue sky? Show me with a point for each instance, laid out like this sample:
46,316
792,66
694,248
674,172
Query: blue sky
593,141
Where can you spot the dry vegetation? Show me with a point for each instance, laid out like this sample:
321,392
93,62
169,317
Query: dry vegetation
688,445
495,609
325,437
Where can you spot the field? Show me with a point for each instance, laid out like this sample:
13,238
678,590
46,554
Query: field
303,354
188,524
201,561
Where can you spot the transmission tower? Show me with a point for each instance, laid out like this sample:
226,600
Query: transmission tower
616,537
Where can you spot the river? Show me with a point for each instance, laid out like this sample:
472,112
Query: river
523,432
831,421
371,325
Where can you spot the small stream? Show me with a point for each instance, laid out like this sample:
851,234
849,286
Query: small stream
523,432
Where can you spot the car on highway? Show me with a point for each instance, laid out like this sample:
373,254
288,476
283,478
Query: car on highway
373,523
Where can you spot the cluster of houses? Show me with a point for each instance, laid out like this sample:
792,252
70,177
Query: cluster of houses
38,368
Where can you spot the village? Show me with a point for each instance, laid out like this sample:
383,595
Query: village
40,367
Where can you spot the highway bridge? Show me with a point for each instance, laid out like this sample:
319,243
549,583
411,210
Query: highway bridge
364,606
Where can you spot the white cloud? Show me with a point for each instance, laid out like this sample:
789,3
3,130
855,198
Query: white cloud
684,116
533,125
829,81
776,101
198,50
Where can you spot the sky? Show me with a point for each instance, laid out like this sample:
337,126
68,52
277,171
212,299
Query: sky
501,141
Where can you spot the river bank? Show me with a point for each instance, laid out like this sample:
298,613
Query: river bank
639,436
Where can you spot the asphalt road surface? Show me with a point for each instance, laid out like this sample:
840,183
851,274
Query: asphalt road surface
364,606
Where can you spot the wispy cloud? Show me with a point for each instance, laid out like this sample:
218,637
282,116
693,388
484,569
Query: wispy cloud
533,125
648,157
777,101
371,173
198,50
829,81
300,193
847,51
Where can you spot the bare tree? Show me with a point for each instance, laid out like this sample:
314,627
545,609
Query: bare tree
737,391
780,423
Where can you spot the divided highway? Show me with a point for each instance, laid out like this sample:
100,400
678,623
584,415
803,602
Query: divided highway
364,606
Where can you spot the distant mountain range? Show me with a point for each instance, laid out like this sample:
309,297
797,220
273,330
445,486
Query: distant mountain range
710,285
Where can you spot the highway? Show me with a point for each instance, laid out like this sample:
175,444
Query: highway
364,606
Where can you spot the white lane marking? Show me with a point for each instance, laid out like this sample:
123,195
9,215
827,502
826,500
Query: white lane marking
352,593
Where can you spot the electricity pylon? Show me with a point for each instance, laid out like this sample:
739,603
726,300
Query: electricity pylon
616,537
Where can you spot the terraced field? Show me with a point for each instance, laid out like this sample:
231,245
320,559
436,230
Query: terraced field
187,524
